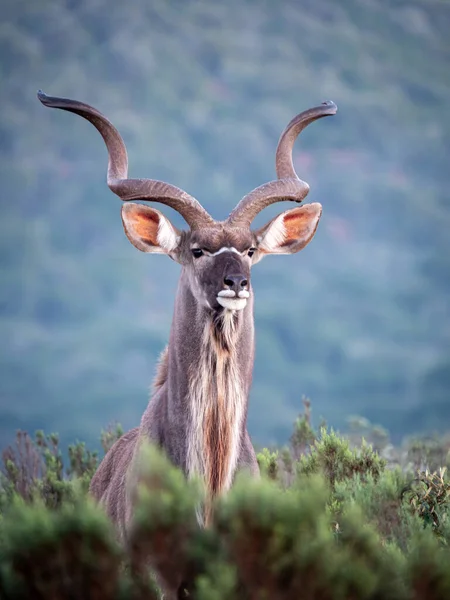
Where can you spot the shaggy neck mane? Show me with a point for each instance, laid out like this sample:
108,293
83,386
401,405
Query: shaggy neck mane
216,402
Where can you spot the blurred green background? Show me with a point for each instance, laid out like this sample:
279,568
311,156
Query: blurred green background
359,321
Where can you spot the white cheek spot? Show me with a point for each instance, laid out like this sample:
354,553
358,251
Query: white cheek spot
167,238
274,236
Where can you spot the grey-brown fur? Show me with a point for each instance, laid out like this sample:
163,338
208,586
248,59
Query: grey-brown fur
198,409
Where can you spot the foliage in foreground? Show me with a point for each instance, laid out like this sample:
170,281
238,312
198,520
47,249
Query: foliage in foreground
327,522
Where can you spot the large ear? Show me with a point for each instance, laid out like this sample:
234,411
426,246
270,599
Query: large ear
148,229
289,232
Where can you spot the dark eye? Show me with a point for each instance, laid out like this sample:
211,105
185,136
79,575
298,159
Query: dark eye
197,252
251,252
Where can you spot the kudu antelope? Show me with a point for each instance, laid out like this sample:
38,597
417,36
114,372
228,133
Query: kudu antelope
198,411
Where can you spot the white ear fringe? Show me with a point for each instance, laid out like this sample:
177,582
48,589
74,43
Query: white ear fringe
274,236
167,238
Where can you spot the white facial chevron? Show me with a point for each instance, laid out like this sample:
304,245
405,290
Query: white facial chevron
225,249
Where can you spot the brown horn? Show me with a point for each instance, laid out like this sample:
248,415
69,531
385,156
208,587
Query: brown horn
117,176
288,186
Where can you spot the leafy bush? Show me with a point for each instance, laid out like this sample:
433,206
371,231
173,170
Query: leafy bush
68,553
268,463
346,527
34,468
332,456
429,498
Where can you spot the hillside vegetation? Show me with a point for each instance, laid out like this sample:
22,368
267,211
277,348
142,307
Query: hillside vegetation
200,92
329,520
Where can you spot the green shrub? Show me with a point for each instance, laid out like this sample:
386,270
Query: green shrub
428,496
346,528
332,456
34,470
428,573
268,463
380,500
70,553
164,523
303,436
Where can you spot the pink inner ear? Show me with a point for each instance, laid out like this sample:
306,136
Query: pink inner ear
145,225
296,225
300,225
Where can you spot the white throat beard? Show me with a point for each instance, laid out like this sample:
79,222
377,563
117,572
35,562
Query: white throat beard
217,403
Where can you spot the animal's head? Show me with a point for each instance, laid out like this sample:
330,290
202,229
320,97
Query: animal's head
216,255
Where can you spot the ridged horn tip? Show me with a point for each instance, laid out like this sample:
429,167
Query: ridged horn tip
50,101
331,106
42,97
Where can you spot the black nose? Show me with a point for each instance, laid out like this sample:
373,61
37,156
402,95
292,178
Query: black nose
235,282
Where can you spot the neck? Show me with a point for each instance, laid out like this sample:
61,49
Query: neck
210,361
